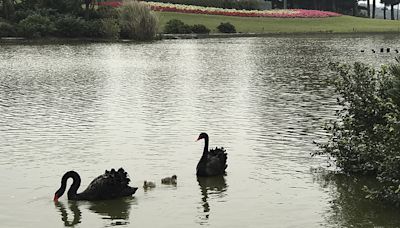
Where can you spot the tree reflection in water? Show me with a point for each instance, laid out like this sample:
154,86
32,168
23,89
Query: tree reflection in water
211,187
115,210
349,206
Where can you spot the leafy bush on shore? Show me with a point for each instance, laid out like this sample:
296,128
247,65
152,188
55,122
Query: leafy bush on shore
200,29
137,21
176,26
226,28
365,139
70,26
6,29
36,26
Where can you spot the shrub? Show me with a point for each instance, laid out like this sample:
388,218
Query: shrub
70,26
6,29
109,28
226,28
137,21
36,26
24,13
176,26
200,29
105,12
365,139
93,28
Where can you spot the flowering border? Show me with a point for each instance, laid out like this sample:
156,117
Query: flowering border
287,13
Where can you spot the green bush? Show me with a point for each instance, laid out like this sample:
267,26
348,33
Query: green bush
176,26
70,26
105,12
35,26
110,28
226,28
365,138
137,21
24,13
6,29
102,28
93,28
200,29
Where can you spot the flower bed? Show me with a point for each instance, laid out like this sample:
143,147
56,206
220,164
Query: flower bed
288,13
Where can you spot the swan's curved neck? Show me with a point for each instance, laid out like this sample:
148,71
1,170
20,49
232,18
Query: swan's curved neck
75,184
205,151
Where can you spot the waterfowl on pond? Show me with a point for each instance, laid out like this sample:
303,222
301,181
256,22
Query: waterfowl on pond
212,162
169,180
112,184
149,184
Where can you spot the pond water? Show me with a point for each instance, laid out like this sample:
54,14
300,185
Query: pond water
91,107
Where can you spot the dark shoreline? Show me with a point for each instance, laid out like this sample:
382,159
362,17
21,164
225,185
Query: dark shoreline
52,40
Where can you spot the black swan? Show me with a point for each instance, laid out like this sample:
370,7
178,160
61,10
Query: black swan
112,184
213,162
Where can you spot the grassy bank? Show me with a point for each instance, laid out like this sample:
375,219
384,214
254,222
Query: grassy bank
343,24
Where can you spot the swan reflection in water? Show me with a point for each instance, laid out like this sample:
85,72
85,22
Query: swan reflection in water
211,188
76,213
115,210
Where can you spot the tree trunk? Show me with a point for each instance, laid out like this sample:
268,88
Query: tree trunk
368,9
285,4
384,12
392,11
315,4
87,8
334,5
373,8
8,9
355,8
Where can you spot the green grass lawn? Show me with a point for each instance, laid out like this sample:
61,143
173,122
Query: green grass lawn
342,24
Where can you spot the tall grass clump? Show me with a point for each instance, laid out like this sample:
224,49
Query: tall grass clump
137,21
365,137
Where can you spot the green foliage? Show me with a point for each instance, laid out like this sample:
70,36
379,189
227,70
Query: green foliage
94,28
226,28
70,26
24,13
137,21
200,29
109,28
105,12
365,138
62,6
175,26
6,29
35,26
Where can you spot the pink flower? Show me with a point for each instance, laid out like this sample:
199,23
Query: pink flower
289,13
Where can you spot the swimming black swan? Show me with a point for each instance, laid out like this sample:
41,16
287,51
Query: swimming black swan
112,184
213,162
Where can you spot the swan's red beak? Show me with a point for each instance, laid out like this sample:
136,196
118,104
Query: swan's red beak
55,198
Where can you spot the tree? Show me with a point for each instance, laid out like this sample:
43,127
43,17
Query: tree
369,9
8,9
373,8
392,3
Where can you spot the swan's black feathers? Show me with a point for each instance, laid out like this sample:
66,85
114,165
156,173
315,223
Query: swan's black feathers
111,184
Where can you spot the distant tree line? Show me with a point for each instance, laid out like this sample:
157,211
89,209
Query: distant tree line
350,7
